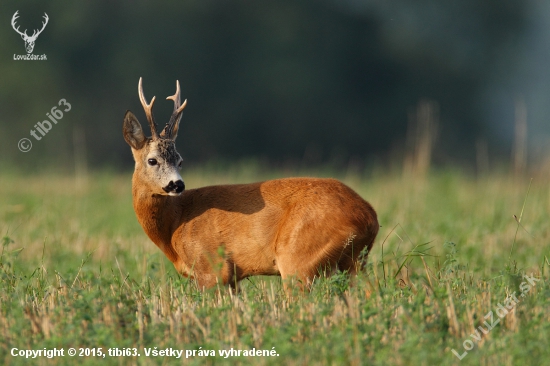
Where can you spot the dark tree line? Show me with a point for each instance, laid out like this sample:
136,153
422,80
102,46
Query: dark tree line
306,80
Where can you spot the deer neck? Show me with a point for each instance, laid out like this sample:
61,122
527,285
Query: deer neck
156,214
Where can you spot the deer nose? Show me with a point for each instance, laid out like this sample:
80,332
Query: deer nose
175,187
180,186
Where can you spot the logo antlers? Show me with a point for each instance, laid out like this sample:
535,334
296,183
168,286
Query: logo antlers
29,41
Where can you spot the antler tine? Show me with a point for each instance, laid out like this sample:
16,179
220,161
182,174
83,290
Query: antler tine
13,19
177,99
46,18
148,110
176,114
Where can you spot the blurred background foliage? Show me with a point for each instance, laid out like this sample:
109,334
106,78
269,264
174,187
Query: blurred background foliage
286,82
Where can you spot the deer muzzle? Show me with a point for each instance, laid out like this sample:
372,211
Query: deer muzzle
174,187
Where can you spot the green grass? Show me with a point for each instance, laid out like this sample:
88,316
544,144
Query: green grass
76,270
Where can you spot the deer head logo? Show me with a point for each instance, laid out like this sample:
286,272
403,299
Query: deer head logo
29,40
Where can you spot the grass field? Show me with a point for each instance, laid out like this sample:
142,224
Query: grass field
77,271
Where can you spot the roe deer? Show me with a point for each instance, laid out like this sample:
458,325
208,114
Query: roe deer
292,227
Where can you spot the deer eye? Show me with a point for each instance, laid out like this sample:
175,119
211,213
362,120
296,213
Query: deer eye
179,165
152,162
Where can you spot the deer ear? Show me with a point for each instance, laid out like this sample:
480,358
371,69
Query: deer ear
133,134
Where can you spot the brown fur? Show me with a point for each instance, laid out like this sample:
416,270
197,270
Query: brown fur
288,227
294,227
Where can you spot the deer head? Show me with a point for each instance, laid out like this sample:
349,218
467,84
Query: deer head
29,41
156,157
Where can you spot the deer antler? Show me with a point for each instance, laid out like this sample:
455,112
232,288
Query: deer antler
35,34
168,131
13,19
148,110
